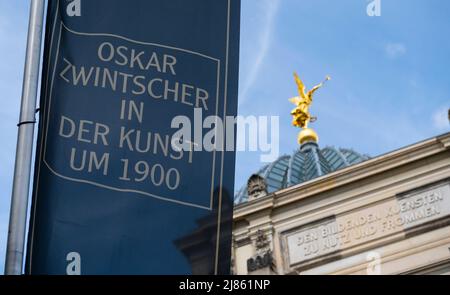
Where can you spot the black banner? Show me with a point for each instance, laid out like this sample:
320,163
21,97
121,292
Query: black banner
132,175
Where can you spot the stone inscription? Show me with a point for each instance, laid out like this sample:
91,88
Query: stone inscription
365,225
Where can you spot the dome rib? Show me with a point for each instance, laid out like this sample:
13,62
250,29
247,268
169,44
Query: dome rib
275,175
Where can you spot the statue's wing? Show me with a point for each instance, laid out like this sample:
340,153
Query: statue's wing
300,86
295,100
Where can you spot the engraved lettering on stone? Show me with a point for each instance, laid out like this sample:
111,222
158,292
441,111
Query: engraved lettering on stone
367,224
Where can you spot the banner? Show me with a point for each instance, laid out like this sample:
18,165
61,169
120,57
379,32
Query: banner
135,160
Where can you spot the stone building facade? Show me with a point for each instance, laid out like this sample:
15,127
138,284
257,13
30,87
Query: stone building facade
347,215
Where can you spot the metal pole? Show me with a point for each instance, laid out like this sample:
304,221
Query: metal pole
24,149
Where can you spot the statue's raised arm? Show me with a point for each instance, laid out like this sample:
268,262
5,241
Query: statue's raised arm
314,89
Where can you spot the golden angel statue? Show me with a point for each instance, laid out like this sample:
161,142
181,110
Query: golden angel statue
301,113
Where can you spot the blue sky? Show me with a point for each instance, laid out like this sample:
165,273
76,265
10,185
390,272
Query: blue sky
390,82
390,78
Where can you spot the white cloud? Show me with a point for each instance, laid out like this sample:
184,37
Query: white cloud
394,50
440,119
263,29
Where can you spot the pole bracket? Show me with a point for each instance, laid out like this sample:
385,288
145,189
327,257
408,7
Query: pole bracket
26,122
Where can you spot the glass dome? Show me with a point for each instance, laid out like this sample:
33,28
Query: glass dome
305,164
